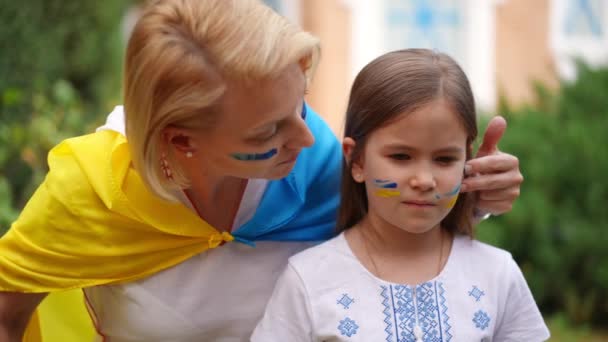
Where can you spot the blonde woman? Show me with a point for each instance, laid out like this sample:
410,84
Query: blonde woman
178,215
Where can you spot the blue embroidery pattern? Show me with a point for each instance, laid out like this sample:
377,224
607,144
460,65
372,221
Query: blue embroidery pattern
388,318
348,327
444,312
400,313
476,293
346,301
481,320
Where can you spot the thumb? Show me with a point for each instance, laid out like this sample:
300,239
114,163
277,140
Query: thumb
496,128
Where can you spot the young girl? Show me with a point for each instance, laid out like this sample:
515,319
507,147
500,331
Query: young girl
405,267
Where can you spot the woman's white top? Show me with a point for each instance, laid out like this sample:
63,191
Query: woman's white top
218,295
326,294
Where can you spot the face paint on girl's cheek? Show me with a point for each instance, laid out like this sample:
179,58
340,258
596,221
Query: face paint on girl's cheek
255,156
452,195
386,188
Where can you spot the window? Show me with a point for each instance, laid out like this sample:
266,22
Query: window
579,29
465,29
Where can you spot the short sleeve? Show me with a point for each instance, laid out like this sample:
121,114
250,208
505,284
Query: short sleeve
288,315
522,321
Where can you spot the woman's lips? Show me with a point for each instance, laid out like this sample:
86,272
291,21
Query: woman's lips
289,160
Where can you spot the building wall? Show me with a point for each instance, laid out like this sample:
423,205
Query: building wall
518,34
353,32
523,50
330,21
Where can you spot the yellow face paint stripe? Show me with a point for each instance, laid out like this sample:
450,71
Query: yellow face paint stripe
452,202
387,193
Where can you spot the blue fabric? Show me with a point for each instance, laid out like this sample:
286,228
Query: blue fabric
302,206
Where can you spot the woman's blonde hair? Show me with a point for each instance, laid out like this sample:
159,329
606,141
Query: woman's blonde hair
178,59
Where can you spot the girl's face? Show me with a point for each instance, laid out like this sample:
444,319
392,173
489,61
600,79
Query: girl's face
259,132
413,168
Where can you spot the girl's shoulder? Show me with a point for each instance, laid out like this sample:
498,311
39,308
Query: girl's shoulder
323,257
477,249
473,257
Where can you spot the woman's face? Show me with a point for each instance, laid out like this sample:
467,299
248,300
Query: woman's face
259,132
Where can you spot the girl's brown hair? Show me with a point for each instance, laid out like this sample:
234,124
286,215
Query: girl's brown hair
402,82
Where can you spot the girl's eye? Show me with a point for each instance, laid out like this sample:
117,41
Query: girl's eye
304,111
399,156
446,160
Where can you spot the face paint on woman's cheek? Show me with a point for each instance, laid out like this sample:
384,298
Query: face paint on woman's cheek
452,195
386,188
255,156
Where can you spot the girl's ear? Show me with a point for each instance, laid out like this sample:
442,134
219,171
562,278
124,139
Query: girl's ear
356,167
468,157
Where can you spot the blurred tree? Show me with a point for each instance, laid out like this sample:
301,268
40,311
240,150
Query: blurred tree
558,229
59,69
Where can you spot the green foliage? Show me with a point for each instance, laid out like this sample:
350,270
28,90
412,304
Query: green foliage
563,330
59,74
558,229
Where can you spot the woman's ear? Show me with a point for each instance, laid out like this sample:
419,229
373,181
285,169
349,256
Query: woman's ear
356,168
180,140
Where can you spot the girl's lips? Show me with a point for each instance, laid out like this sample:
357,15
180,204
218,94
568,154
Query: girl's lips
419,203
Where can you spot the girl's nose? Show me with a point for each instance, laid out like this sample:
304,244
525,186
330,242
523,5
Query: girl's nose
423,180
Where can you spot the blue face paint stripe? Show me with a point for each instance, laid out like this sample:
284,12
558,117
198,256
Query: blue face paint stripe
454,192
254,156
385,184
451,193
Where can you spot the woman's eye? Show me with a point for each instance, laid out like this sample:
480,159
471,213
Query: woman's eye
267,136
304,111
399,156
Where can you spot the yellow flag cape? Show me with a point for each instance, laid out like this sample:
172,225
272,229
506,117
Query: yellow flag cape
93,221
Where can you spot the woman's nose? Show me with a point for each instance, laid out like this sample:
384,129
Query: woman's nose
301,136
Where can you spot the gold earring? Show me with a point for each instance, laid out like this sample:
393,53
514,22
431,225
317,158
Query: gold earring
164,165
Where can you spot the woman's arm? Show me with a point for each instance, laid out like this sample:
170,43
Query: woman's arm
15,312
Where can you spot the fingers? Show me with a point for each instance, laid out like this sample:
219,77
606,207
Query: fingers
497,202
494,174
509,194
494,207
494,132
499,162
493,181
